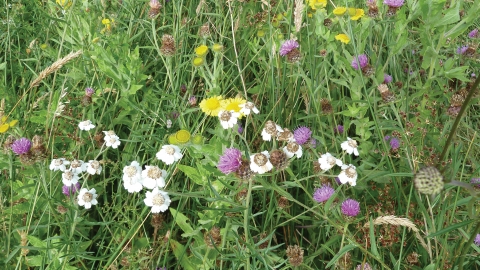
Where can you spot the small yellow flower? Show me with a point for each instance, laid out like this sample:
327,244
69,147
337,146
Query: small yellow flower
352,11
260,33
212,106
317,4
339,11
201,50
198,61
233,104
342,38
182,136
217,47
309,15
172,139
108,23
358,14
13,123
64,3
43,46
4,128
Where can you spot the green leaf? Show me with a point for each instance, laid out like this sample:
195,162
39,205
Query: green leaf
451,228
134,88
344,250
192,173
34,241
181,220
35,260
180,253
452,16
3,65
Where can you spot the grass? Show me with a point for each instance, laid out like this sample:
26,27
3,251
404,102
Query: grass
149,84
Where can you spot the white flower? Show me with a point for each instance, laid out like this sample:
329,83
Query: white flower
228,118
169,154
153,177
86,125
69,178
260,162
158,200
111,139
270,129
87,197
292,149
78,166
59,164
94,167
247,107
327,161
169,123
132,177
350,146
348,175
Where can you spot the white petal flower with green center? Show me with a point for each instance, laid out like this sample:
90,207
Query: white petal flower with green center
87,198
169,154
158,200
153,177
132,177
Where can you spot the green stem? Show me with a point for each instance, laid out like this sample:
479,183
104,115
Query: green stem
457,121
246,216
469,243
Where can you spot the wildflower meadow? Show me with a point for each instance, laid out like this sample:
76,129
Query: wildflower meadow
239,134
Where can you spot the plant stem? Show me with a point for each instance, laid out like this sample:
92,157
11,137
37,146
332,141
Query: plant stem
246,217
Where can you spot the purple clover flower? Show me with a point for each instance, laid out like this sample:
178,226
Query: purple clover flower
89,91
70,190
473,34
394,3
21,146
288,46
339,129
323,193
387,78
350,207
462,50
361,63
477,240
475,182
230,161
302,135
394,143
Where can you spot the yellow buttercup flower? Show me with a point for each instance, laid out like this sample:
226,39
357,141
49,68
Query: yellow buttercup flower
317,4
198,61
342,38
358,14
339,11
212,106
233,104
201,51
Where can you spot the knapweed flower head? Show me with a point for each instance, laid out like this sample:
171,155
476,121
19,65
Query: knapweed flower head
323,193
87,198
473,34
302,135
192,100
339,129
350,207
364,266
132,177
260,162
462,49
89,91
153,177
94,167
477,240
158,200
288,46
168,47
111,139
69,178
228,118
21,146
394,3
475,182
293,149
350,146
211,106
86,125
201,50
70,189
169,154
279,159
348,175
342,38
317,4
428,180
359,62
59,164
394,143
248,107
327,161
387,78
230,161
270,130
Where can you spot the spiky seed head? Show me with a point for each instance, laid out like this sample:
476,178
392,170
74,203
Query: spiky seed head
457,100
279,159
428,180
244,172
295,255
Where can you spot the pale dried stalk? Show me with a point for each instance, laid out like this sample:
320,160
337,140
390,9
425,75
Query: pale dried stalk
54,67
199,7
298,14
405,222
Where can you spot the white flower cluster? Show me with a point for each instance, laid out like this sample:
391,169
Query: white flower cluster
349,172
228,119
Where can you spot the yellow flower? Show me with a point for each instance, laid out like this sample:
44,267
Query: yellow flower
198,61
343,38
108,23
4,126
233,104
217,47
64,3
201,51
260,33
211,106
197,139
13,123
314,4
182,136
352,11
172,139
309,15
358,14
339,11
